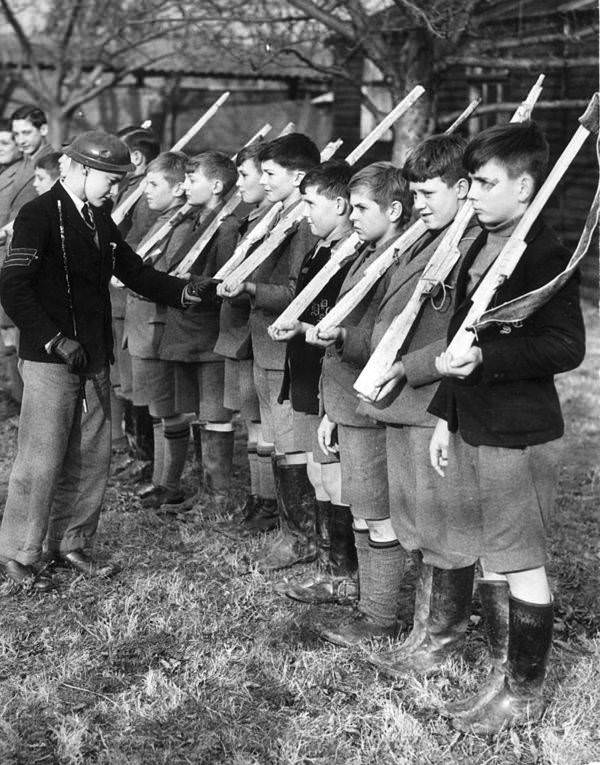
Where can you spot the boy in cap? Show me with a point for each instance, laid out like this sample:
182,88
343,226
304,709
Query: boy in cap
54,285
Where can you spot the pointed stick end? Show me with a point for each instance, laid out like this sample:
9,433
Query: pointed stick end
590,118
540,80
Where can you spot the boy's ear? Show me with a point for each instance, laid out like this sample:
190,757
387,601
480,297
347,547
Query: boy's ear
217,186
341,206
297,177
178,190
44,129
526,188
395,211
462,188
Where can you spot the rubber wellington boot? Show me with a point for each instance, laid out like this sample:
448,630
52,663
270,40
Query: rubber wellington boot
342,550
217,458
197,439
520,700
323,524
450,596
493,594
297,540
338,584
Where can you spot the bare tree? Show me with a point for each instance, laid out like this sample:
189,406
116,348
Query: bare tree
409,41
74,50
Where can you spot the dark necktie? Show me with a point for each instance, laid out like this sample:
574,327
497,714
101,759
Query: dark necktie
88,218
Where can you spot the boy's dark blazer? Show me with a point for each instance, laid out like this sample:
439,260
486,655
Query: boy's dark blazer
511,399
33,287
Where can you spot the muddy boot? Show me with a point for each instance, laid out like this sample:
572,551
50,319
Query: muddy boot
217,458
520,699
297,540
342,550
450,597
493,595
323,524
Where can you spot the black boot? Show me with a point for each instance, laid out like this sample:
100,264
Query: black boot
323,525
217,458
197,439
297,541
143,434
450,596
342,550
340,584
493,594
520,699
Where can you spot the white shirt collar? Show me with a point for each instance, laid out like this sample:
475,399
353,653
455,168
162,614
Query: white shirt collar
79,203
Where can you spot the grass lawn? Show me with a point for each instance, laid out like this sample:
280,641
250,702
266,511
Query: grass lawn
188,656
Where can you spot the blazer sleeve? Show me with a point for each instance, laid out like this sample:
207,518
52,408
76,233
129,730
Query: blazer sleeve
552,340
20,270
142,277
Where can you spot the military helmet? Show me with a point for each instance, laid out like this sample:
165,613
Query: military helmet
100,150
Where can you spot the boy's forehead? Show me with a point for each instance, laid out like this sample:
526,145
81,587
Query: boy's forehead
197,174
430,184
22,125
271,164
493,168
361,193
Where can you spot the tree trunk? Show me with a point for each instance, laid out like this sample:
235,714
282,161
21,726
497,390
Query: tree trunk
413,65
57,126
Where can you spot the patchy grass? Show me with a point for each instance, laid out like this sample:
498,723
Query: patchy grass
188,656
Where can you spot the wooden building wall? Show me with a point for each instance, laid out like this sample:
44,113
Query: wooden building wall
571,70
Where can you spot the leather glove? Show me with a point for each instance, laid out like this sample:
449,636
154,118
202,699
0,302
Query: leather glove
72,353
196,288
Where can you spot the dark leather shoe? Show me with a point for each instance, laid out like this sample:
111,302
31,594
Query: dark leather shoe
359,629
27,576
161,496
323,588
81,562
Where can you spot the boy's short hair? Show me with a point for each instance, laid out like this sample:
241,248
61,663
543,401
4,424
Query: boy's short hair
32,113
171,164
330,179
251,153
439,156
144,141
520,147
5,125
215,165
49,163
294,151
385,184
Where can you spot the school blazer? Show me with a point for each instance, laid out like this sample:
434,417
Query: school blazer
511,399
33,285
407,404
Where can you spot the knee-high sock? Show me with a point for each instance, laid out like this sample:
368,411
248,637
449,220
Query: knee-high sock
159,451
254,468
363,554
176,435
387,562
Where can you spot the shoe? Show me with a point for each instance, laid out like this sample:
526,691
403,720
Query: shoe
449,597
162,496
359,629
324,588
520,700
81,562
493,595
149,490
27,576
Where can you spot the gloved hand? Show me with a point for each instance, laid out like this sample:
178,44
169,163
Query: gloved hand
196,288
72,353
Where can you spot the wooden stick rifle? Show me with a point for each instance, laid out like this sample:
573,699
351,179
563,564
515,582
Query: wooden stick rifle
435,273
122,209
283,228
514,248
147,249
373,273
261,229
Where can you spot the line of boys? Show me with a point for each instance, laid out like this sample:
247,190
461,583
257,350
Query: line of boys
499,401
506,414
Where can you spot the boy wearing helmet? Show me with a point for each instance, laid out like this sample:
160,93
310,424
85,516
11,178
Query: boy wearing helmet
54,285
